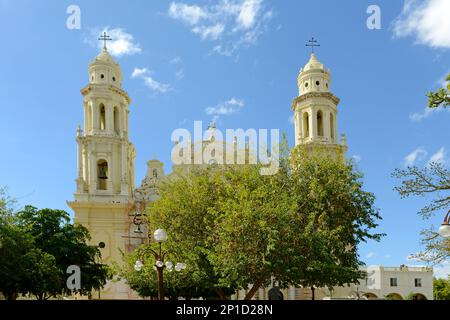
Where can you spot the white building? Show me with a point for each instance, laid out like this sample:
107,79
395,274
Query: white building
392,283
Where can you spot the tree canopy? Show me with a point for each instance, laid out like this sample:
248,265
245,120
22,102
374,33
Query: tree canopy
236,229
37,247
440,97
432,181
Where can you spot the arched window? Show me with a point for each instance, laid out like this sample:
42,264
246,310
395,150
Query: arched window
320,123
155,173
331,126
102,117
102,174
116,120
306,125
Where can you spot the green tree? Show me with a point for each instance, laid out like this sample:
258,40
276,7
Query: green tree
185,210
441,97
15,244
432,181
238,229
59,244
441,289
336,213
248,235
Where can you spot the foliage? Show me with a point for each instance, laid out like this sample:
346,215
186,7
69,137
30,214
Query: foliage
235,228
441,289
337,215
433,180
441,97
37,247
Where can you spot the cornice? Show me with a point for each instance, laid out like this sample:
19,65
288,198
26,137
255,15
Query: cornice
304,97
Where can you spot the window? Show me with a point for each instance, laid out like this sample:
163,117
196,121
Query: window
306,84
320,123
393,282
418,282
102,76
114,79
306,125
317,83
155,173
102,174
102,117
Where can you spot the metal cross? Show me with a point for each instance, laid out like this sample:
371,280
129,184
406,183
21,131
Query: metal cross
312,43
105,37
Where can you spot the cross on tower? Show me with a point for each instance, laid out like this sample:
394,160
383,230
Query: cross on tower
312,43
105,37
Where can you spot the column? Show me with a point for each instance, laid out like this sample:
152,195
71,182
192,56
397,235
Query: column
95,116
109,118
312,124
326,126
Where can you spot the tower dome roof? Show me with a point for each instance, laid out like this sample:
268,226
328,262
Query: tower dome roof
313,64
105,70
104,57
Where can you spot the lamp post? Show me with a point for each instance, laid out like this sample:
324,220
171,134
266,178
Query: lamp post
444,230
159,236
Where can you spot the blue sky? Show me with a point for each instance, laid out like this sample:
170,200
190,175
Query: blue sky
190,58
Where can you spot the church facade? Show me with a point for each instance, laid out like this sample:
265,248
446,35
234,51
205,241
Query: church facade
106,198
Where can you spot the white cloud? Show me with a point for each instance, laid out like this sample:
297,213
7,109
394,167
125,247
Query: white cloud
247,14
370,255
427,20
176,60
226,108
187,13
442,270
232,22
212,32
438,157
156,86
179,75
417,155
122,43
416,117
139,72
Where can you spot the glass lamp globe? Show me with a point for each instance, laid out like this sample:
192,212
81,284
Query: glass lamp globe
138,265
159,264
160,235
169,265
178,267
444,230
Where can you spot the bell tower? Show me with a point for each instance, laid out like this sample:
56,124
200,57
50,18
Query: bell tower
315,110
105,182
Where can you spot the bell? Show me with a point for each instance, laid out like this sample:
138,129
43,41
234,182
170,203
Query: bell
102,173
138,229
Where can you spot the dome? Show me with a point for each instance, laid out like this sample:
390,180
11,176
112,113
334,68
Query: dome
104,70
313,64
104,57
314,77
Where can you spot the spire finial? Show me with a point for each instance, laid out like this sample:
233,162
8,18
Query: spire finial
105,37
312,43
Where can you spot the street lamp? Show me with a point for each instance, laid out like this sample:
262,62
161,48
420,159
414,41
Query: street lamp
444,230
160,236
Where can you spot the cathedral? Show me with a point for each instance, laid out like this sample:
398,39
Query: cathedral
107,200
